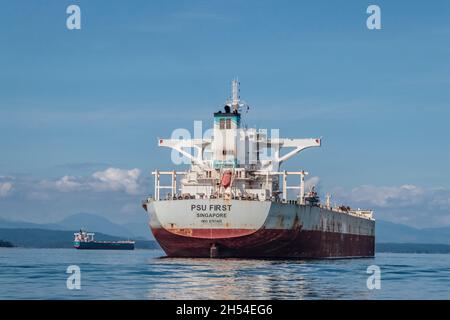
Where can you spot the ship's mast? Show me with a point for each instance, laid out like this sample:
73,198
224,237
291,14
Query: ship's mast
235,95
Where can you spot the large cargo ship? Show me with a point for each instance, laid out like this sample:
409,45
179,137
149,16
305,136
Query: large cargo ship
235,201
85,240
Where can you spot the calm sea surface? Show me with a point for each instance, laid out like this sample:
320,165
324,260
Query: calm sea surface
144,274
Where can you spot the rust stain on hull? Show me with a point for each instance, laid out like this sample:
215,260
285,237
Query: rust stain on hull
211,233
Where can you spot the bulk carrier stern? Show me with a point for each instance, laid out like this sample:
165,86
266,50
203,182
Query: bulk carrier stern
234,201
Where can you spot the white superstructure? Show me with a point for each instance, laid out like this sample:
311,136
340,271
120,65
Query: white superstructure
237,163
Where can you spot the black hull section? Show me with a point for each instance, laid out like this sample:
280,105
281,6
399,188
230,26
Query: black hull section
103,246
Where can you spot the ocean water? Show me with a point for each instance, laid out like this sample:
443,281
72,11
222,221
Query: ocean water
146,274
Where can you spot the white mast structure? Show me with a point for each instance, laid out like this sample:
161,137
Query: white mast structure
235,95
236,150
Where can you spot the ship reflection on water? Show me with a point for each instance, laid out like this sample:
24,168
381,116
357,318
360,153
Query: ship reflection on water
259,279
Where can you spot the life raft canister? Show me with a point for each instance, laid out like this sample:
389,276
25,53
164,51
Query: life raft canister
226,179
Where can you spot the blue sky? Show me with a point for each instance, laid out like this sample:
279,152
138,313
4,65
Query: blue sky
75,103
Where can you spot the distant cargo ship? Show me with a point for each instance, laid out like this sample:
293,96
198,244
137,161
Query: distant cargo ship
233,201
85,240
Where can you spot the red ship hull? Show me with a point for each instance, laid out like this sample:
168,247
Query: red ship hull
266,243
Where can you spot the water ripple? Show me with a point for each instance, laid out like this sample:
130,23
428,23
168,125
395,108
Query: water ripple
143,274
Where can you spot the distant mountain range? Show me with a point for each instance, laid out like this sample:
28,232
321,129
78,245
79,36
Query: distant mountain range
86,221
386,232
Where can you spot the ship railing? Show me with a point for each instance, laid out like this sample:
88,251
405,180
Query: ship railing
284,175
173,184
368,214
285,187
363,213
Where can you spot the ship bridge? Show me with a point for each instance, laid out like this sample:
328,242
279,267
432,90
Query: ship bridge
234,146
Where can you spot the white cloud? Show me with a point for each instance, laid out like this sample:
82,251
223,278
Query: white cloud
409,204
5,189
68,183
111,179
65,184
313,181
115,179
393,196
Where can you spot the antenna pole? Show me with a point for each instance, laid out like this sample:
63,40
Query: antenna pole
235,94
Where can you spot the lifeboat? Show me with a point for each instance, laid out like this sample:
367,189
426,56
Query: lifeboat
226,179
